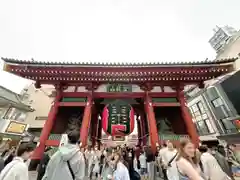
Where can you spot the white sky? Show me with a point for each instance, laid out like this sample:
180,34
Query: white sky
110,30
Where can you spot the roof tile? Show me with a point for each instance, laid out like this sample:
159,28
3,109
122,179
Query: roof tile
33,62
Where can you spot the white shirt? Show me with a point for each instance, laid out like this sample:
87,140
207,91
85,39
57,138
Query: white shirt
121,173
168,155
143,161
211,168
15,170
162,152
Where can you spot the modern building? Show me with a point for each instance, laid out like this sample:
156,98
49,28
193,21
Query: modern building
215,109
40,100
222,36
13,114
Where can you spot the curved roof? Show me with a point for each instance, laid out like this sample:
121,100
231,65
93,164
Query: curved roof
117,64
83,72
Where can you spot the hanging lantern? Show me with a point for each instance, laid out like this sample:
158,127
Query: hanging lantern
118,119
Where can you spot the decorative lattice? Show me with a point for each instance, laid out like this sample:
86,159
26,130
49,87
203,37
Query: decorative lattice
56,137
173,137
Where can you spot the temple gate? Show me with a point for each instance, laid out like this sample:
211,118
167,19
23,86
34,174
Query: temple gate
152,92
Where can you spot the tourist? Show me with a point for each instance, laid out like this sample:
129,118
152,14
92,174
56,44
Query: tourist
187,163
143,164
68,162
163,166
90,156
136,163
108,166
222,161
43,163
168,160
121,171
151,169
234,159
96,162
17,169
9,155
211,168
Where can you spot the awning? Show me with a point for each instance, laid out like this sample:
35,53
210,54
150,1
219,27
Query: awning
230,138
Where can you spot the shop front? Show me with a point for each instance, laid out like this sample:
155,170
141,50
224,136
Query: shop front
12,132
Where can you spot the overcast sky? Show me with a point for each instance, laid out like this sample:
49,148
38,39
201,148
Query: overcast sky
110,30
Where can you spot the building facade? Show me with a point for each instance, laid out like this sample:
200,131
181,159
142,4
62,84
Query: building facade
218,102
221,37
41,100
213,112
13,114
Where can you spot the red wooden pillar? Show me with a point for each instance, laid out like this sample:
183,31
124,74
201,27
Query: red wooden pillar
188,119
86,122
139,130
153,133
38,152
142,124
94,125
99,132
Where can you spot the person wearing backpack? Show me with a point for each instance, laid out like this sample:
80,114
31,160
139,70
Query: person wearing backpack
68,162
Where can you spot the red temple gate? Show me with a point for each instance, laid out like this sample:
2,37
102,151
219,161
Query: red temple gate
153,82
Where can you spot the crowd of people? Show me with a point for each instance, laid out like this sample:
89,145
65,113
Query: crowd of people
71,161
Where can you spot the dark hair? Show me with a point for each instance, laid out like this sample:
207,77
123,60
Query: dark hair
164,145
47,149
233,145
203,149
73,137
25,147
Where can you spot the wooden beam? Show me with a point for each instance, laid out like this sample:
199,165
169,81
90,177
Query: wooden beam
54,143
119,94
166,104
72,104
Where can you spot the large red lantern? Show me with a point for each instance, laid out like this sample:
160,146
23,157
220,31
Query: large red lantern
118,119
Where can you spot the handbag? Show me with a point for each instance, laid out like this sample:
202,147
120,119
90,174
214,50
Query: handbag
70,169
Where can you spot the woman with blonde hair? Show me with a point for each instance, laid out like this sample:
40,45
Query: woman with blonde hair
187,162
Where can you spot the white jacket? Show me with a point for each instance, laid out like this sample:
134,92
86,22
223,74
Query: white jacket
15,170
57,168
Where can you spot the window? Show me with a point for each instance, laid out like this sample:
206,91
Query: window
229,126
220,108
18,116
1,111
8,113
41,118
201,119
15,114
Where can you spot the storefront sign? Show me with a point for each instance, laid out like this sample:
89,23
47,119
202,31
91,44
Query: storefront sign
16,127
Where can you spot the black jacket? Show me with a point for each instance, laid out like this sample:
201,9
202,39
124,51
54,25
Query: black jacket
42,166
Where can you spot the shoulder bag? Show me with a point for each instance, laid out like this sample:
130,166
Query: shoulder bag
70,169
